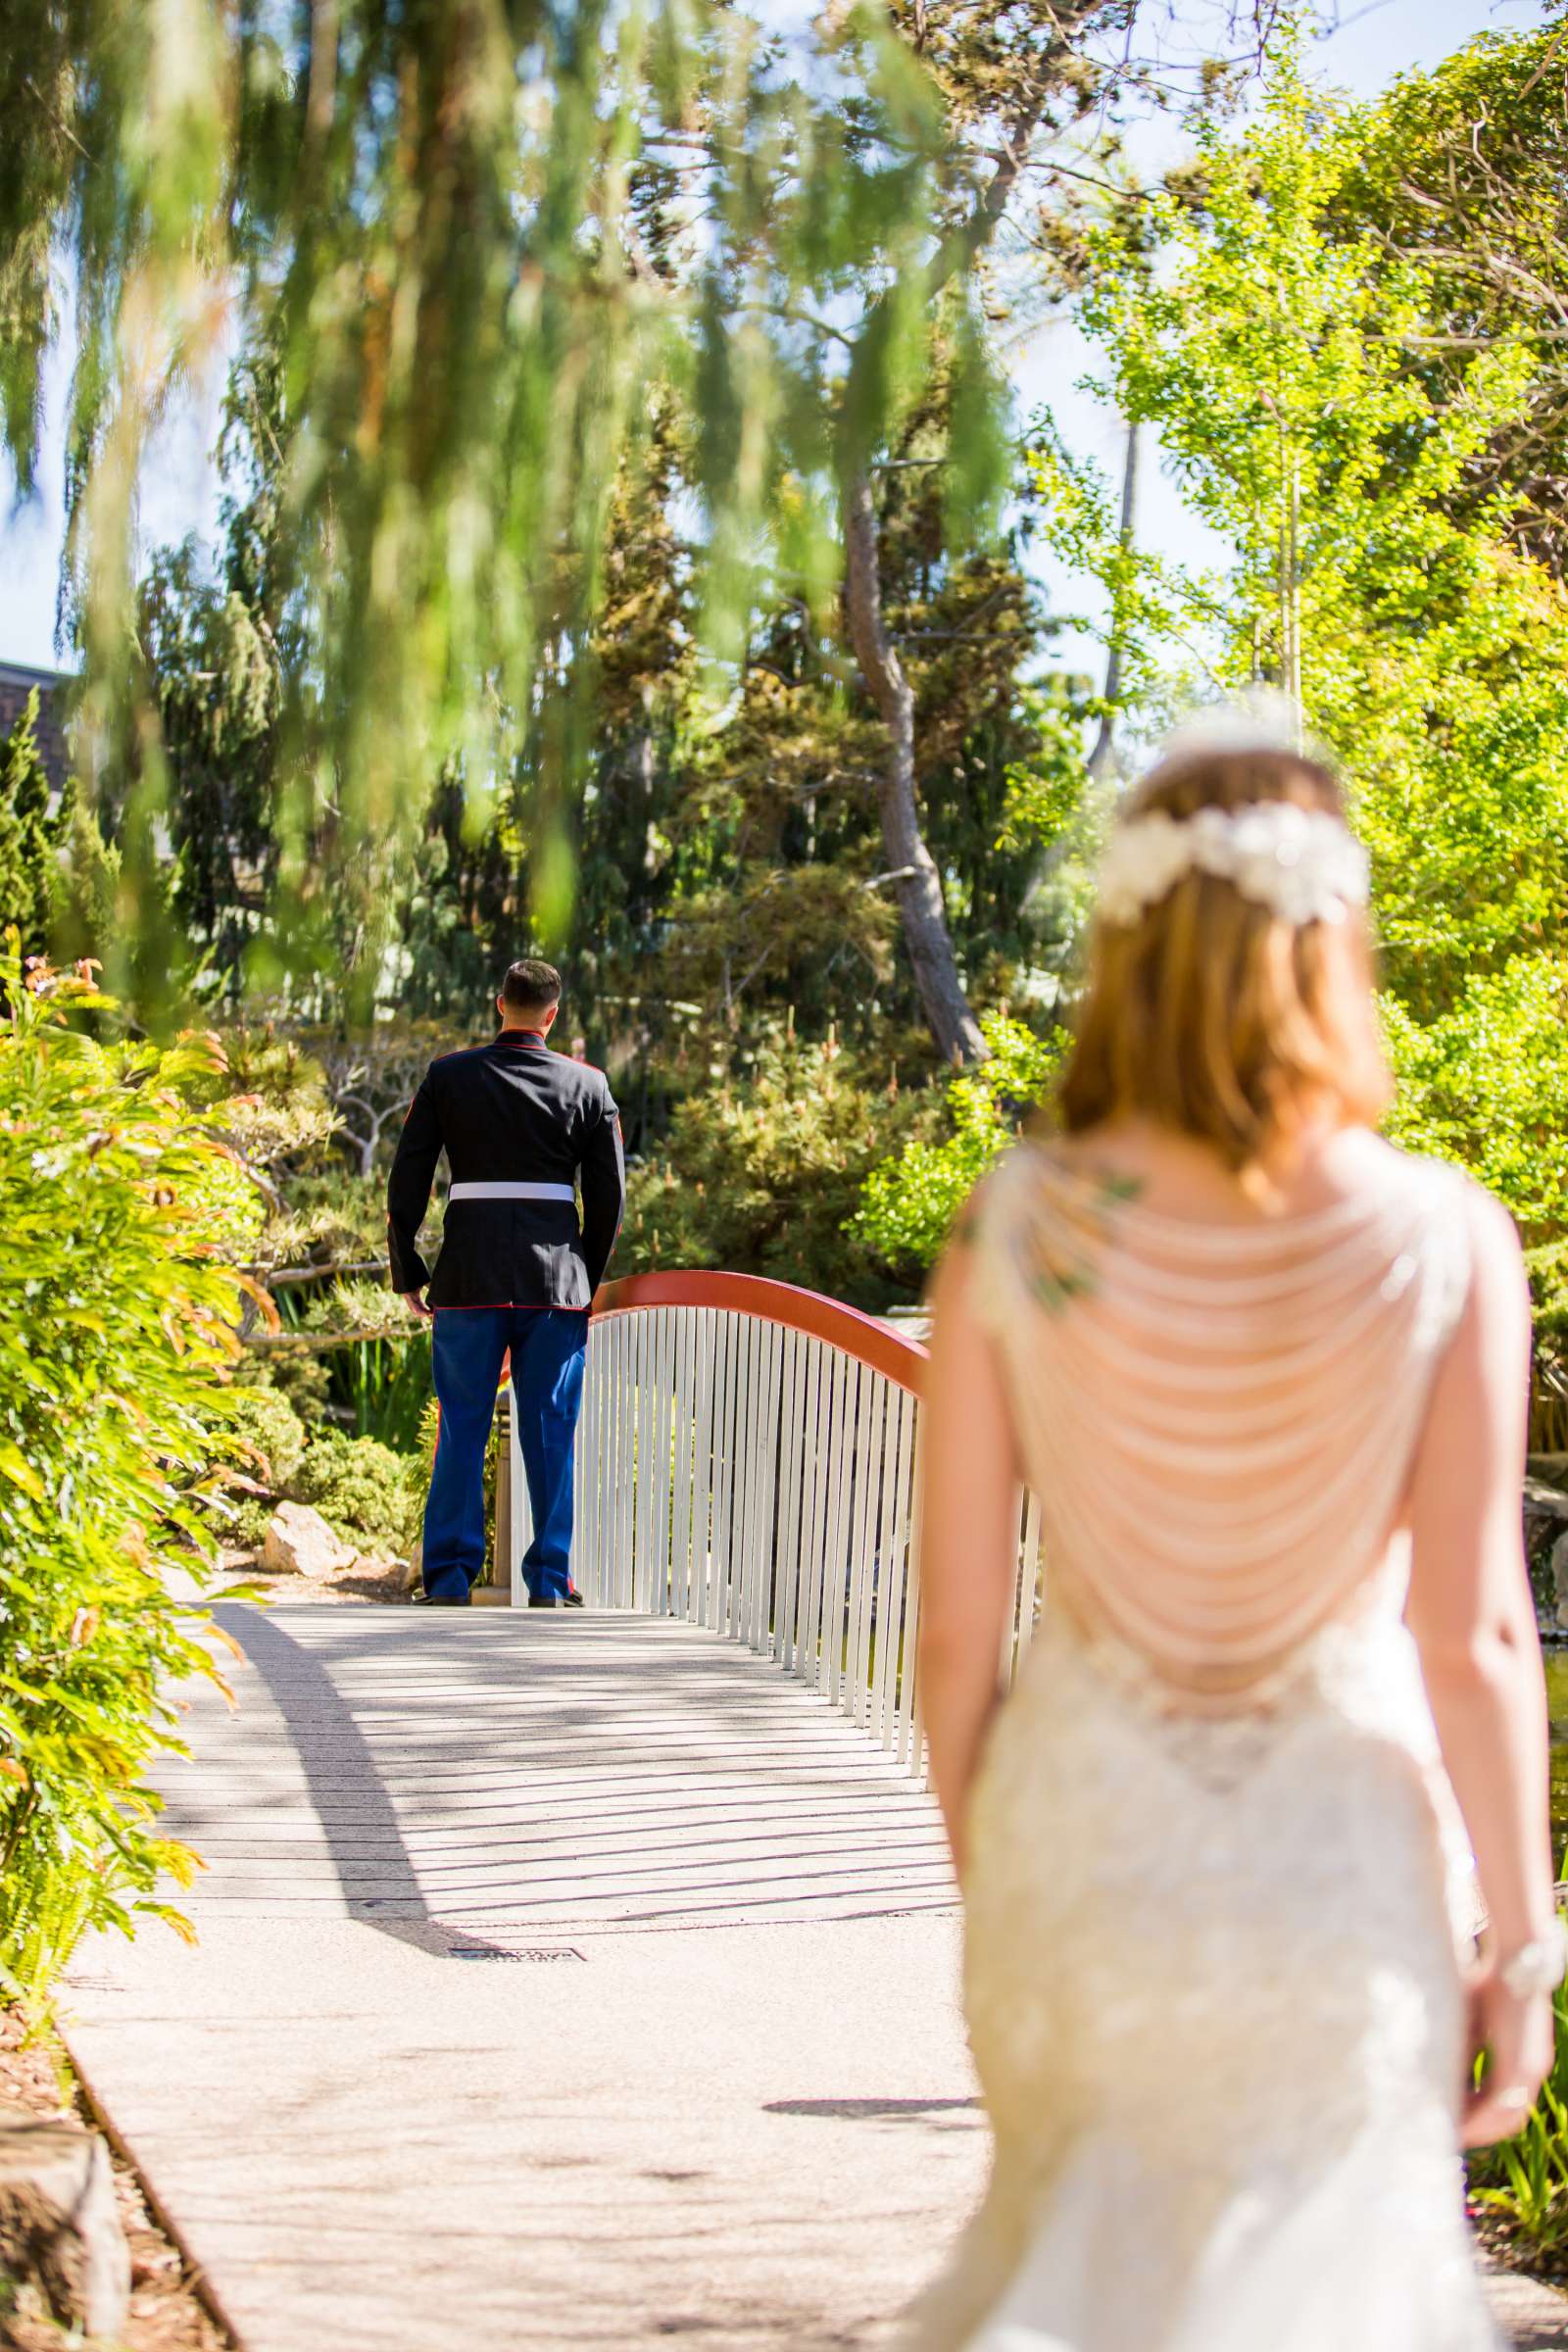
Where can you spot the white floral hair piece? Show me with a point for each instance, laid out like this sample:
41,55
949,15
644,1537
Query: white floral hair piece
1301,864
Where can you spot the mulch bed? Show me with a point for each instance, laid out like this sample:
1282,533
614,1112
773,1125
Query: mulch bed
166,2313
1506,2249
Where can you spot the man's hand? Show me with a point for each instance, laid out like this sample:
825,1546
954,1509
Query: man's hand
414,1300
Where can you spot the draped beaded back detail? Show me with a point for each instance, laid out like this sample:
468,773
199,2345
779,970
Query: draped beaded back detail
1219,1419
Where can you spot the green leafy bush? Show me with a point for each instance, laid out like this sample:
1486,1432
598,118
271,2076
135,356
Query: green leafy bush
907,1203
1486,1085
244,1524
373,1361
264,1419
304,1379
762,1176
365,1491
270,1438
116,1317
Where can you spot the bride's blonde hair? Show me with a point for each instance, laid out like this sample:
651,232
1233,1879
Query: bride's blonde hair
1210,1013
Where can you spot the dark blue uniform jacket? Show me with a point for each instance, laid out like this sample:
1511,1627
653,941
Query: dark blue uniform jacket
510,1111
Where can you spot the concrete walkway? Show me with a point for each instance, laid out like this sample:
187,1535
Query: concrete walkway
562,1980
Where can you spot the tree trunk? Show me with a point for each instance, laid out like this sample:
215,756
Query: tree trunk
915,873
1103,755
925,918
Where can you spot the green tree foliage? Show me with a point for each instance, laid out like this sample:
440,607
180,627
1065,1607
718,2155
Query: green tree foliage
368,1492
483,266
910,1201
644,715
116,1313
762,1175
460,906
1487,1085
1004,77
28,866
779,893
468,241
217,684
991,728
1461,169
1288,350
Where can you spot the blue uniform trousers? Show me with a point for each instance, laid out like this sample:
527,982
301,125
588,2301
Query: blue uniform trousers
467,1347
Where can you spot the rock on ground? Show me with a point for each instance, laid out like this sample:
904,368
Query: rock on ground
299,1543
60,2228
1533,2318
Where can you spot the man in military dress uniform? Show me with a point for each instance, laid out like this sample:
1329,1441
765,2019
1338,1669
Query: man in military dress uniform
521,1127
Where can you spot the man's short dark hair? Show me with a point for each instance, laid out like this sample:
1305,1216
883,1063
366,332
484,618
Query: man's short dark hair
530,986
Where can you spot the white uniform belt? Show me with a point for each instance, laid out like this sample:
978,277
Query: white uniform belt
512,1192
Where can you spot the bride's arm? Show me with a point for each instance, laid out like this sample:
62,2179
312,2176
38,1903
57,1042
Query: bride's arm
968,1537
1474,1620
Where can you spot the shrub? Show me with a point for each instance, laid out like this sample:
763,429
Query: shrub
270,1438
303,1380
907,1203
264,1419
363,1489
762,1176
244,1525
116,1316
383,1376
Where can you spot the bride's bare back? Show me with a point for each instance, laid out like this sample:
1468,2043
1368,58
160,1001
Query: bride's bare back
1216,1390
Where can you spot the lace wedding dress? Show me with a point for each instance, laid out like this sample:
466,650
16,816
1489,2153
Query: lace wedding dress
1217,1883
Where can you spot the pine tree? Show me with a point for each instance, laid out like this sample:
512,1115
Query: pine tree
217,680
27,862
85,883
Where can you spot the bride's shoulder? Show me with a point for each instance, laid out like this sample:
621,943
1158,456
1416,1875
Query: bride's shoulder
1462,1234
1425,1180
1035,1225
1034,1176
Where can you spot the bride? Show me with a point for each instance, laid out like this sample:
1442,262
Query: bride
1267,1377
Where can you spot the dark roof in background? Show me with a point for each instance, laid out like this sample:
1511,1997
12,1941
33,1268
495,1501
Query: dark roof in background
17,682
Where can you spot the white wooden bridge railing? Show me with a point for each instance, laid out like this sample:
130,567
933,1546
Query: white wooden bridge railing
746,1461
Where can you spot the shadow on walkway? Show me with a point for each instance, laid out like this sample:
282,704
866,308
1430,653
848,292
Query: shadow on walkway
457,1778
337,1758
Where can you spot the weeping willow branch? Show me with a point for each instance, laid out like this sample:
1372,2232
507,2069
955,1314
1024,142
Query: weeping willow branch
444,232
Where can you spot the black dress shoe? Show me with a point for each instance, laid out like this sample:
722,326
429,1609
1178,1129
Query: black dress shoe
442,1601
